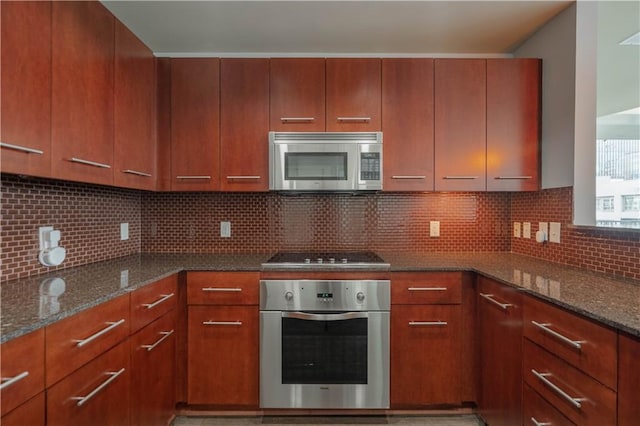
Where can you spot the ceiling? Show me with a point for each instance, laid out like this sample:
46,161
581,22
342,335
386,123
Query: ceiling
333,28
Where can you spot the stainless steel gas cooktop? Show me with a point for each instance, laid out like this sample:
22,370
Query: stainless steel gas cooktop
328,260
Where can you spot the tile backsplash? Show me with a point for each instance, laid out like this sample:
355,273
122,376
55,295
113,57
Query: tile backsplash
89,218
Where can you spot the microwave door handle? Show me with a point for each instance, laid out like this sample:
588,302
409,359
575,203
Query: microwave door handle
325,317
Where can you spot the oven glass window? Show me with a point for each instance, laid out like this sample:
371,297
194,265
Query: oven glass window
315,166
324,352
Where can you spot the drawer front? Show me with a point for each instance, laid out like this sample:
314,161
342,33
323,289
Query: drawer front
538,412
628,393
223,288
582,343
22,369
151,302
424,288
76,340
96,393
576,395
30,413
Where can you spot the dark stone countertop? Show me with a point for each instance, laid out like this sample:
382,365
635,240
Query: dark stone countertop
31,303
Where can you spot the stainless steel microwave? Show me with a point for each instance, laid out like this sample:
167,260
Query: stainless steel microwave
328,161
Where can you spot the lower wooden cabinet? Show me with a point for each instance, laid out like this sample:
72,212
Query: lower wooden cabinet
628,380
30,413
537,411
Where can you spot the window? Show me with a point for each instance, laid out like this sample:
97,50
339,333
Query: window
605,204
631,203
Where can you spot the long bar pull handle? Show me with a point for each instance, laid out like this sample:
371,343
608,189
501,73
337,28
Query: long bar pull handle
537,423
243,177
417,323
460,177
427,289
165,335
89,163
21,148
8,381
193,177
545,327
137,173
164,298
576,402
84,399
111,326
354,118
490,298
221,289
408,177
222,323
297,119
514,177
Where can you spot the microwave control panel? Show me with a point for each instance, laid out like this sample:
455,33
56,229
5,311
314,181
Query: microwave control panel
369,166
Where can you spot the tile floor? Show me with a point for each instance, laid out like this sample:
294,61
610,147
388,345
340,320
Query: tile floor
461,420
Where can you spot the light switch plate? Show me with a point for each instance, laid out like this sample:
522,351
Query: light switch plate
526,229
225,229
554,232
544,226
434,228
124,231
516,229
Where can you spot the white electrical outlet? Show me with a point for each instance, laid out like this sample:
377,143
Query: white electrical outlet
516,229
434,228
124,231
554,232
544,227
526,229
225,229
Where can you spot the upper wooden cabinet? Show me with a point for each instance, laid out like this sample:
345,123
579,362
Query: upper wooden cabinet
82,92
297,100
353,94
244,124
25,128
407,124
134,112
460,124
513,124
195,124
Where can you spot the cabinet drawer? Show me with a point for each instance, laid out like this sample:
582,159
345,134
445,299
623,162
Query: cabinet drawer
408,288
579,397
222,288
582,343
97,392
22,369
537,411
30,413
152,301
76,340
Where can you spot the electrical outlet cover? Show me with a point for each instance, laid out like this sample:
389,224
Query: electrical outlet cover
434,228
554,232
516,229
526,230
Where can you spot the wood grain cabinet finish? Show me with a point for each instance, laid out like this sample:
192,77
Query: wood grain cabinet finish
628,380
195,124
583,343
31,413
297,94
407,124
353,94
22,370
513,124
151,302
134,112
499,333
223,288
460,124
96,393
537,411
82,92
410,288
74,341
244,124
25,128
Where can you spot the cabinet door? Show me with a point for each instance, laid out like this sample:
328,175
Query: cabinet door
407,123
134,114
153,366
195,124
82,92
353,94
297,99
30,413
460,124
244,125
629,378
425,355
223,355
25,128
500,353
513,124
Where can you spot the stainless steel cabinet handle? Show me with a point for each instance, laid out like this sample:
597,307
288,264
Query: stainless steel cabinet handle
490,298
514,177
221,289
545,327
84,399
243,177
8,381
416,323
164,298
89,163
165,335
537,423
193,177
354,118
460,177
21,148
325,317
427,289
297,119
408,177
576,402
112,325
222,323
137,173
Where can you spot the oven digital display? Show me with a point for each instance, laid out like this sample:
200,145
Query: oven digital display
325,295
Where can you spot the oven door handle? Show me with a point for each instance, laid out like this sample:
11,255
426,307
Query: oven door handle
325,317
